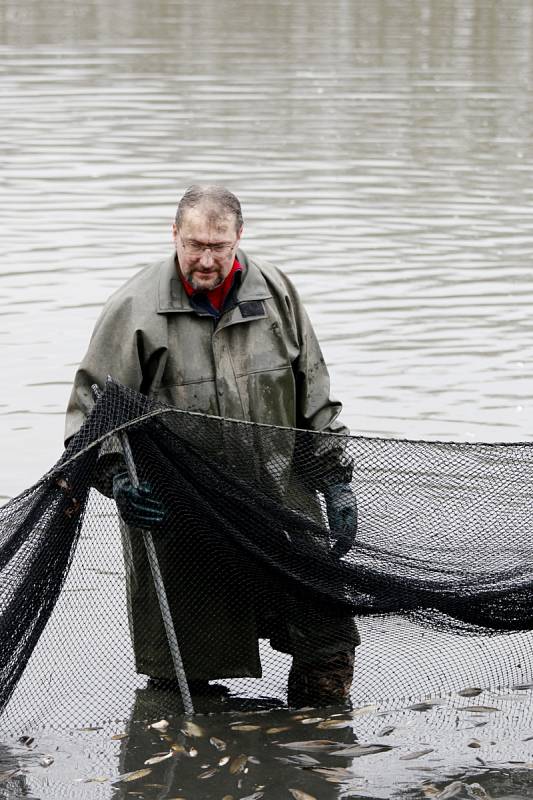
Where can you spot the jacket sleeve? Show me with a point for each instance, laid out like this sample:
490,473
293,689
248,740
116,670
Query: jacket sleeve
113,350
317,410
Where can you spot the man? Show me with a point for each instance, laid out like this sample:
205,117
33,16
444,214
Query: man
213,330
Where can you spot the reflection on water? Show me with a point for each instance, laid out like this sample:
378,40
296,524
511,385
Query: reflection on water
414,750
382,154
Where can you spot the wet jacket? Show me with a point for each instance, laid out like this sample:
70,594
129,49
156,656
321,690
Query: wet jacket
260,361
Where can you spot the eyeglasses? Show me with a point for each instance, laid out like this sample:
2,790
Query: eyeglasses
198,248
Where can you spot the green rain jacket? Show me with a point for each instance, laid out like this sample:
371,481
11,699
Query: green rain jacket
260,362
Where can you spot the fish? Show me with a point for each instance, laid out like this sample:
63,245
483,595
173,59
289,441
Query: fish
470,691
311,720
192,729
312,744
45,761
118,736
223,761
246,728
333,723
126,777
192,752
238,764
300,759
427,705
334,774
387,730
416,754
208,774
363,710
280,729
253,760
474,743
158,758
254,796
358,750
161,726
27,740
177,748
479,709
218,743
299,795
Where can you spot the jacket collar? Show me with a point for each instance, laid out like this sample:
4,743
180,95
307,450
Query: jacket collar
173,297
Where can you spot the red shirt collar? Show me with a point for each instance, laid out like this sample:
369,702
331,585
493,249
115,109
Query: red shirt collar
216,296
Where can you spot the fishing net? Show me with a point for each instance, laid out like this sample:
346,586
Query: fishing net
437,587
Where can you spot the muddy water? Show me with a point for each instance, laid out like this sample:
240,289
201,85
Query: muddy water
382,152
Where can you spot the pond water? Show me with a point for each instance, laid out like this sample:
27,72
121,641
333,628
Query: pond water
382,153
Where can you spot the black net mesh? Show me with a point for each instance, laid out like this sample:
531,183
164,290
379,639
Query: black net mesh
438,585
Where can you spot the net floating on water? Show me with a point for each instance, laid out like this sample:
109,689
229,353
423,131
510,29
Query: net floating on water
442,563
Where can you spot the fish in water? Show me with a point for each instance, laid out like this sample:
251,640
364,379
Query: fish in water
334,723
427,705
358,750
363,710
470,691
192,729
203,776
126,777
313,744
245,728
161,726
479,709
238,764
416,754
218,743
299,795
157,758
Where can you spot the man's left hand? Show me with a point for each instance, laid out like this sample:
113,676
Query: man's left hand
341,507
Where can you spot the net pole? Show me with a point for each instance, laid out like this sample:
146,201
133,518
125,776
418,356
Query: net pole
162,598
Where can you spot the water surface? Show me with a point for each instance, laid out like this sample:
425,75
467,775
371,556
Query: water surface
382,152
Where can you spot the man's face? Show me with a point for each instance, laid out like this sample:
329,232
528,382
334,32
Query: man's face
205,246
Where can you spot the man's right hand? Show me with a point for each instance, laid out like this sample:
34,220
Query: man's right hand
137,506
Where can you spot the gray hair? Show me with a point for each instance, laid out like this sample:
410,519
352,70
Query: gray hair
219,200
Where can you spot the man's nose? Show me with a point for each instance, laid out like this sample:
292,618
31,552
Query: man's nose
206,259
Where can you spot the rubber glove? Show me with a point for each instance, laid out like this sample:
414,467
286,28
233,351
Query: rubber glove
341,507
137,507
